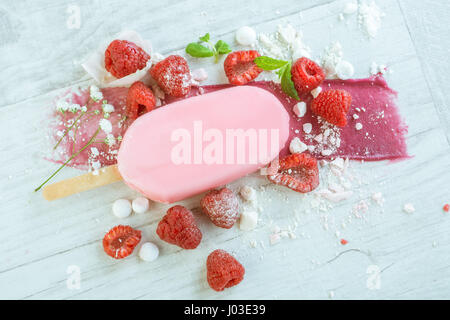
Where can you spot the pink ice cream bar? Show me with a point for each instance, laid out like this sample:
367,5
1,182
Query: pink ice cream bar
196,144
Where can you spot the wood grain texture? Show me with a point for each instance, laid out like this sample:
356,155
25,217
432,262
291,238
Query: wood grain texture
40,239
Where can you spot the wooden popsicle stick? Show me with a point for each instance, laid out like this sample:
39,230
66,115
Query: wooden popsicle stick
81,183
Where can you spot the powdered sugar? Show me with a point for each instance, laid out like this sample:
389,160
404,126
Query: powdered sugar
369,18
331,58
287,44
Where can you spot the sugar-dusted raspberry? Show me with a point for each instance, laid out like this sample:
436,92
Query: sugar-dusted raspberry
123,58
223,270
178,227
298,172
240,67
173,75
344,242
446,207
221,206
120,241
306,75
139,95
332,105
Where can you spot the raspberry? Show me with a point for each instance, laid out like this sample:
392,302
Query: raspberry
306,75
344,242
298,172
178,227
332,105
221,206
223,270
120,241
240,68
173,76
124,57
139,95
446,207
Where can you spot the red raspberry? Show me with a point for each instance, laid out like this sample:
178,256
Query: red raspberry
120,241
332,105
124,57
306,75
221,206
173,76
223,270
178,227
344,242
298,172
240,68
139,95
446,207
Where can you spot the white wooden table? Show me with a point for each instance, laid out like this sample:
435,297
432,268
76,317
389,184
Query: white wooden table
39,240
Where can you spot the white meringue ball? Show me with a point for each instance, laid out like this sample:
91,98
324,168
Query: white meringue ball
148,252
121,208
344,70
140,205
246,36
248,220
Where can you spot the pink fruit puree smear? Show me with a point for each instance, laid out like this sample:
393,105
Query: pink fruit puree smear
88,125
382,136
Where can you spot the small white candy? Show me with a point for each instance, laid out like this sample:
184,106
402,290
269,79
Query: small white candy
355,116
121,208
297,146
248,220
199,75
148,252
307,127
248,193
300,109
140,205
315,92
409,208
246,36
358,126
344,70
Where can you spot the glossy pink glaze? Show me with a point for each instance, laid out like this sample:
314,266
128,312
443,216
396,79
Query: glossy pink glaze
147,159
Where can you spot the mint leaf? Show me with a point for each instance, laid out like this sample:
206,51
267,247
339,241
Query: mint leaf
286,82
283,72
198,51
205,38
267,63
208,49
222,47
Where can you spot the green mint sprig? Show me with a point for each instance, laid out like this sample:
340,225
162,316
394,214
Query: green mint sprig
198,50
283,71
